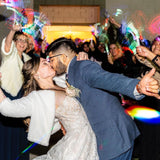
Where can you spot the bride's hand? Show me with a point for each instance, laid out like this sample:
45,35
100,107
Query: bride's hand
63,129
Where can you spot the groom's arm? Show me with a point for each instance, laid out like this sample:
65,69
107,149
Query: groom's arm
96,77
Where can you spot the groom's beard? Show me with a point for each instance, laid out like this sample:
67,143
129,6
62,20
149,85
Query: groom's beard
60,68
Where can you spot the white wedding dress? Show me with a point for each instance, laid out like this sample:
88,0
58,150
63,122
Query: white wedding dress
79,142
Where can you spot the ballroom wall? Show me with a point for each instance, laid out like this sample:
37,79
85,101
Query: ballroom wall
68,2
101,3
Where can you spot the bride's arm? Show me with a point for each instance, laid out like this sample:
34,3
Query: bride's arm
15,108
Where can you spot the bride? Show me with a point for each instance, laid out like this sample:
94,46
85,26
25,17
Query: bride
44,106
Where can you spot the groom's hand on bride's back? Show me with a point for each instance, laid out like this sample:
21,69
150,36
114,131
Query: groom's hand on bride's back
82,56
62,129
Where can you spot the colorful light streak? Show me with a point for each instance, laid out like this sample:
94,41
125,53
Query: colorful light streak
154,25
27,149
141,113
144,114
32,145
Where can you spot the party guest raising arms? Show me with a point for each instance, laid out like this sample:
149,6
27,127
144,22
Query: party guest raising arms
13,57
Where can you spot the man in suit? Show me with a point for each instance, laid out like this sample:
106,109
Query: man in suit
115,131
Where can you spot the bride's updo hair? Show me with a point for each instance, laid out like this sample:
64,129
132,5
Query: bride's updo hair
29,69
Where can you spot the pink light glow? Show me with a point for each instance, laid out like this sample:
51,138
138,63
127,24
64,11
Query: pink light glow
154,25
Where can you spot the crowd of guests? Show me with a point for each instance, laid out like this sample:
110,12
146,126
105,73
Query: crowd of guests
17,48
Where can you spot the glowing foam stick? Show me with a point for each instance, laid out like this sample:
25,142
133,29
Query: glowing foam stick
97,27
134,30
118,12
18,17
106,47
47,58
132,37
106,14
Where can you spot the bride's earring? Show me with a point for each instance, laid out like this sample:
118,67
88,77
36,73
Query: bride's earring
38,77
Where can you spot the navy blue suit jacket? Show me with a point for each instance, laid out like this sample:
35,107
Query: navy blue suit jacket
115,131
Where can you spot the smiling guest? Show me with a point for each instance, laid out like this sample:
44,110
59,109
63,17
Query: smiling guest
13,57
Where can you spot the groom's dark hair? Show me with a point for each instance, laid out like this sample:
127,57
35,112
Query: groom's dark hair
59,43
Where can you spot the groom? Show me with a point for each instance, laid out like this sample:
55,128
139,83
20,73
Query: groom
115,131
